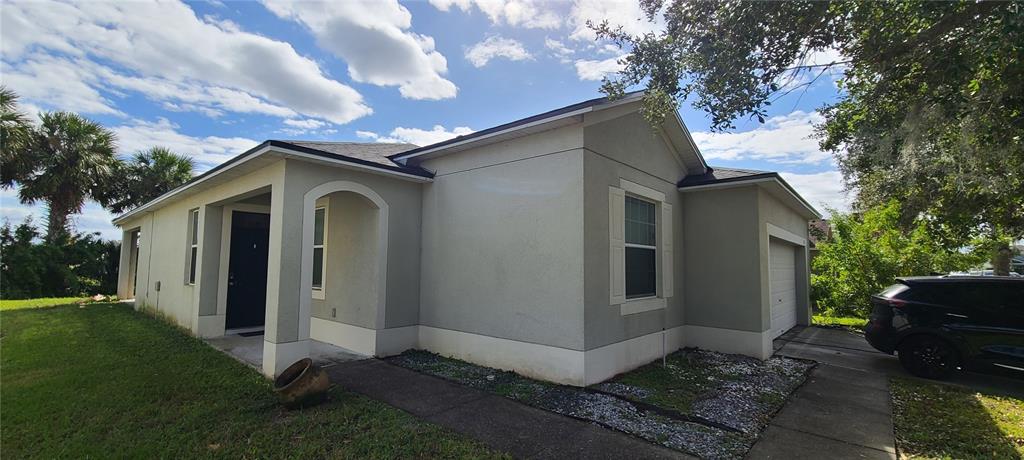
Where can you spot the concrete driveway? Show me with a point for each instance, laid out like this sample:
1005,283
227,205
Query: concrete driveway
844,348
843,410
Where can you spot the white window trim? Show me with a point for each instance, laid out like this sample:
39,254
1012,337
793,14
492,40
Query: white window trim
659,300
320,293
193,245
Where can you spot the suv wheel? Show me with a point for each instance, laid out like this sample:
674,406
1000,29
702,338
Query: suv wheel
928,357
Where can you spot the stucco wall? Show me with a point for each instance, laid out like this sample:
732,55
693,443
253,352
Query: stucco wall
626,148
503,241
773,211
350,280
629,140
722,258
403,261
163,251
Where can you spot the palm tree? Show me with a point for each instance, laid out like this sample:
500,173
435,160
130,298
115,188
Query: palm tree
67,160
148,175
15,129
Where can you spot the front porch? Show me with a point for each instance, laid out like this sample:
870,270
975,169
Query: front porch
292,251
248,349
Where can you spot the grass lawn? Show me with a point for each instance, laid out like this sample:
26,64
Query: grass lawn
844,321
105,381
941,421
37,303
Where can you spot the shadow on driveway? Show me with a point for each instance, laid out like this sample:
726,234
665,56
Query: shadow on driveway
848,349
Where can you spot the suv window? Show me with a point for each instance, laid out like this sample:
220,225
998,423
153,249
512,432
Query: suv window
987,295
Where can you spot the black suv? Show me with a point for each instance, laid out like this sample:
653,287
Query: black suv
941,323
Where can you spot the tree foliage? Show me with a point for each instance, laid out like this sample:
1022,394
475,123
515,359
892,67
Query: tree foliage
867,252
29,268
15,131
67,160
147,175
931,110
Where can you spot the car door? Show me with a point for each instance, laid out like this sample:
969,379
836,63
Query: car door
1007,351
995,332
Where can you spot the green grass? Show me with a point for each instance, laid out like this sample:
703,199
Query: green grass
105,381
945,422
37,303
844,321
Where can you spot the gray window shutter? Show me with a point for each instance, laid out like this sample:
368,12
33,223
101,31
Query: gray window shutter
667,254
617,245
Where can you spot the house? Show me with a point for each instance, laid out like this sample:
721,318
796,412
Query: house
569,246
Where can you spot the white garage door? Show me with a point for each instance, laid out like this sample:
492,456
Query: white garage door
783,286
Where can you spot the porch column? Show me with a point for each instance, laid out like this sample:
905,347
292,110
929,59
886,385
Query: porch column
285,339
126,265
208,272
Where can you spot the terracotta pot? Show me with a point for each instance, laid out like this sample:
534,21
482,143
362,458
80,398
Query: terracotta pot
302,384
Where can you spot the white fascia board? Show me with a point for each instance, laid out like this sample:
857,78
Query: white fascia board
286,153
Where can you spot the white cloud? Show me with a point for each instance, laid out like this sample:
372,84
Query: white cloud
417,136
206,151
822,190
58,83
618,13
306,124
823,65
372,37
62,55
559,50
596,70
496,47
782,139
531,14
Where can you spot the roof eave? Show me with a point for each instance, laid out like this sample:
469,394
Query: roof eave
768,177
287,150
513,126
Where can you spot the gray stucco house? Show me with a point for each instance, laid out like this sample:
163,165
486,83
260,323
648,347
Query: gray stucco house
570,246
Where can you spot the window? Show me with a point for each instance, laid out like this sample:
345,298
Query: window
641,248
640,242
319,235
193,244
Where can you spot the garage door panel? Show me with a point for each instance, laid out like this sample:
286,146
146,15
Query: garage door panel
782,294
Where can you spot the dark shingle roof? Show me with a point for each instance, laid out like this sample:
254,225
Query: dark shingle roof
376,152
719,175
366,153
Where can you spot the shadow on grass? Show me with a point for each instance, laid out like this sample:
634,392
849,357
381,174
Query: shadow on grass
941,421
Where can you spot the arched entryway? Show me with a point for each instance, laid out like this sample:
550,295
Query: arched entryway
344,263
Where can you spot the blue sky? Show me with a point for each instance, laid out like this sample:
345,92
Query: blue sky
211,79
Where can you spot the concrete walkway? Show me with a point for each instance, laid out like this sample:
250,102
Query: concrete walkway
842,411
503,424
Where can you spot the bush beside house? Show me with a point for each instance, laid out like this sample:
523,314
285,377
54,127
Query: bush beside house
83,265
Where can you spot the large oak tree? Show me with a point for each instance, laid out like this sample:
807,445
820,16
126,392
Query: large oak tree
931,107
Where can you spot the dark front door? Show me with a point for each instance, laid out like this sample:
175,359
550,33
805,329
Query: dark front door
247,270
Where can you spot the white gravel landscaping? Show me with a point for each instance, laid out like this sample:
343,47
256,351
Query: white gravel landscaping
704,403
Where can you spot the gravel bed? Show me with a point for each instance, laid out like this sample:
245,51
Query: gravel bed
752,391
745,393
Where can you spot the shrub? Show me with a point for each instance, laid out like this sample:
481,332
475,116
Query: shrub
868,251
29,268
